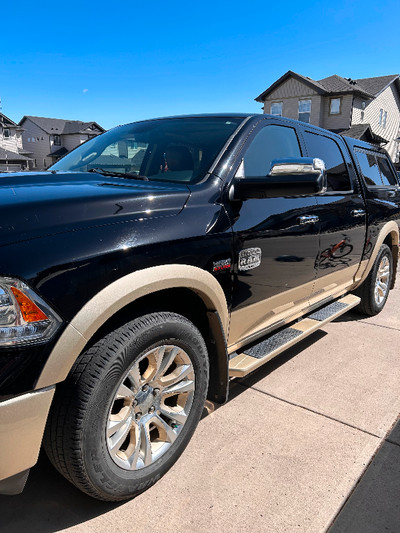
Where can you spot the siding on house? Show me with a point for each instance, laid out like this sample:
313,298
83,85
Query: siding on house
389,101
12,143
40,147
291,88
341,121
290,107
11,158
72,141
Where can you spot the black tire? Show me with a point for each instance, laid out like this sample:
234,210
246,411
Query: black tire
369,305
75,437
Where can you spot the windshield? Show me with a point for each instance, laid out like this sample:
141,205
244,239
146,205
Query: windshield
177,150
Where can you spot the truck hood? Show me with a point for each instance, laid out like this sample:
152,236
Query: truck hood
36,204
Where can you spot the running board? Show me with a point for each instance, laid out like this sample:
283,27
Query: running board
251,358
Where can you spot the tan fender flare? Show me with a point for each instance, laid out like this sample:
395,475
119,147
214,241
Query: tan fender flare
116,296
390,228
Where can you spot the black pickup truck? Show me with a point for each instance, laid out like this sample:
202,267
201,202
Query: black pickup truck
162,258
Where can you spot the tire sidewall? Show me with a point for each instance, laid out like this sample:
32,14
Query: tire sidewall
103,472
384,251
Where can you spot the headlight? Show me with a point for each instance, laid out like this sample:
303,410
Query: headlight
24,317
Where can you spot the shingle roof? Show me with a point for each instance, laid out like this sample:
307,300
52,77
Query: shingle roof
11,156
367,87
58,126
377,85
358,131
307,81
6,122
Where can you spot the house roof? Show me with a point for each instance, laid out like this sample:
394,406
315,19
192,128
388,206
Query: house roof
12,156
290,74
367,87
6,122
58,126
363,132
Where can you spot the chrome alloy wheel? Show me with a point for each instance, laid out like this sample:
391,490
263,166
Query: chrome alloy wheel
150,407
382,280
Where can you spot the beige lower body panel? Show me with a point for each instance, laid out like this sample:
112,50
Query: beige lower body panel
22,422
243,364
284,308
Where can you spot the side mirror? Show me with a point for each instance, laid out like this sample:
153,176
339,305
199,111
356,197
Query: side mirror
302,176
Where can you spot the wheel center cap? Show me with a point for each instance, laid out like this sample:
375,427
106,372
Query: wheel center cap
145,400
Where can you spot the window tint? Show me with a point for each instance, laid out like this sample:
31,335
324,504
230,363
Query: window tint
388,178
369,168
328,150
272,142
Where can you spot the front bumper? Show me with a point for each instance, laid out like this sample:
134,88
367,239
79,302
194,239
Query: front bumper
22,422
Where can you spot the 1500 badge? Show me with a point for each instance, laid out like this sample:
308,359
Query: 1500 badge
249,258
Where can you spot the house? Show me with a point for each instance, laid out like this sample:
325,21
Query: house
48,139
366,109
12,155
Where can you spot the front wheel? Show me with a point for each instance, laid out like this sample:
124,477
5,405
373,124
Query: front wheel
375,289
129,406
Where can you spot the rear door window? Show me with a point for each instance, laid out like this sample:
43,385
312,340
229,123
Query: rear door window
369,168
388,177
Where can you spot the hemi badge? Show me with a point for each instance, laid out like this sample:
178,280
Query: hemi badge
223,264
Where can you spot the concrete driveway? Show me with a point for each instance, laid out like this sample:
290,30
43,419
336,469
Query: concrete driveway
283,455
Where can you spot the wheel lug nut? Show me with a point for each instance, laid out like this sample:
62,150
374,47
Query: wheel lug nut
145,388
138,416
156,391
152,409
135,402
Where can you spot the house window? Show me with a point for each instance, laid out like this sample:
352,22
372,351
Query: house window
57,140
276,109
304,110
384,119
6,133
380,117
334,106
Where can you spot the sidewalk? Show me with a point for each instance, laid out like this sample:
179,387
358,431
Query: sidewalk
283,455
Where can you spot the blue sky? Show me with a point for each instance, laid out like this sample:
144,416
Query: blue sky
117,62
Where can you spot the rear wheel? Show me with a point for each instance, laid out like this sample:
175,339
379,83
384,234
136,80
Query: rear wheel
129,406
375,289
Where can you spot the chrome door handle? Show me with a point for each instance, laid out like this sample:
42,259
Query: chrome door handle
308,219
357,213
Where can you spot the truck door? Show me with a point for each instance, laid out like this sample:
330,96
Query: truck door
342,217
275,248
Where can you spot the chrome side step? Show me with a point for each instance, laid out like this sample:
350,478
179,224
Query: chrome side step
251,358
